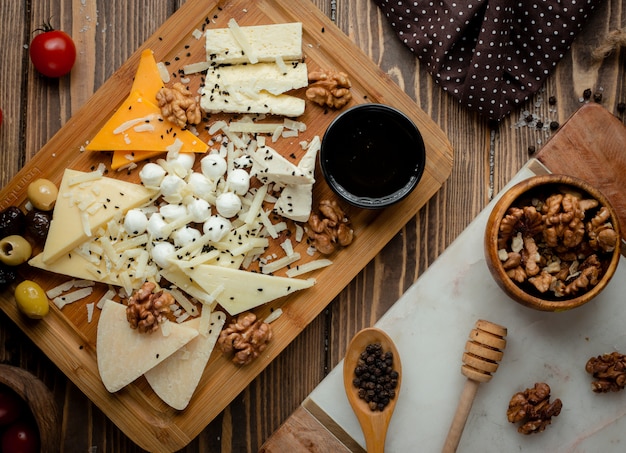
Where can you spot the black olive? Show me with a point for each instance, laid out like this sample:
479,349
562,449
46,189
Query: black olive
8,274
38,224
12,221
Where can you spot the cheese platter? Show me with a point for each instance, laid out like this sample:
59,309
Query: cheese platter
68,334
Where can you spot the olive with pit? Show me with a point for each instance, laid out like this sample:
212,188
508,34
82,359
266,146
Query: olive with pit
42,193
31,299
15,250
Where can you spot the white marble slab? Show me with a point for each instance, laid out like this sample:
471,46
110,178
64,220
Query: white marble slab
430,324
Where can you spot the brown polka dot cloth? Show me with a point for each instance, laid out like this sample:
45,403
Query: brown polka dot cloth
489,54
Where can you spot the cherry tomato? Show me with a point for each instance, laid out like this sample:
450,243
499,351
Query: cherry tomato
52,52
10,406
20,437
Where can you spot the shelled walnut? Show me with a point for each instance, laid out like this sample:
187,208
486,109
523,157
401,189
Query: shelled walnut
609,372
329,228
328,88
178,105
532,408
556,242
147,309
245,338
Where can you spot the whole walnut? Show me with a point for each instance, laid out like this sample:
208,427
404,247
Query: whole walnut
147,309
245,338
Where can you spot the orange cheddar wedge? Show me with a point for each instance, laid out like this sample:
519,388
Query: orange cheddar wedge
147,78
123,158
138,125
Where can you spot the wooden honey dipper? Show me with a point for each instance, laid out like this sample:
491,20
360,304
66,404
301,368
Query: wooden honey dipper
482,353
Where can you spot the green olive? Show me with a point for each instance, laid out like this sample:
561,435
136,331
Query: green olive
42,193
31,299
14,250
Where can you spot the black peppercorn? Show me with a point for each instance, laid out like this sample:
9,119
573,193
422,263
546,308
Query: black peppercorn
552,100
554,125
597,97
539,124
376,379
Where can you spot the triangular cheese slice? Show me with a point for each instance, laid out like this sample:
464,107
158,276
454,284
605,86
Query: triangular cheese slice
121,159
239,291
270,166
85,203
147,78
175,379
124,354
138,125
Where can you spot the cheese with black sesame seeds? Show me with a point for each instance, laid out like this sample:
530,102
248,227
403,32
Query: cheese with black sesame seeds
268,42
68,229
243,290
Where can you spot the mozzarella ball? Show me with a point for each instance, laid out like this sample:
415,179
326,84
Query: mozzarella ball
185,236
228,204
162,252
157,226
239,181
244,161
216,227
200,210
172,185
181,162
152,174
135,222
213,166
200,185
172,211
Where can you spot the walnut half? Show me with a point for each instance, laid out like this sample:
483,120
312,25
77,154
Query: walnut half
245,338
331,89
532,409
178,105
330,228
147,309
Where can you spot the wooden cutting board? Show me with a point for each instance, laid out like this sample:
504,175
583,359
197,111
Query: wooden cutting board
70,341
591,145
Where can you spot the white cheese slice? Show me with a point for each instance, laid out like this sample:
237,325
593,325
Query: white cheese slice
124,354
175,379
67,230
252,79
244,290
269,166
295,202
267,41
262,102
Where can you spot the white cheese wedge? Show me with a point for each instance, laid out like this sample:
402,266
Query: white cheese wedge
269,166
263,102
295,202
244,290
82,208
252,79
268,43
124,354
175,379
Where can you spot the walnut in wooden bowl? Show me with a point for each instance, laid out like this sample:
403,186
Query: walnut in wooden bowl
552,242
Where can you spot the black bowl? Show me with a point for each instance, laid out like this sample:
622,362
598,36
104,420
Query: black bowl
372,156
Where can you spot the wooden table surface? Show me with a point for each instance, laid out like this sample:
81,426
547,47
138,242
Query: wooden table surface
486,156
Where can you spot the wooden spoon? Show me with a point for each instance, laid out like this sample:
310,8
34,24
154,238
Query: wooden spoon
373,423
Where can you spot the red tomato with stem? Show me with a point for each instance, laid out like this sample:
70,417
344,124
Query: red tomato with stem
52,52
20,437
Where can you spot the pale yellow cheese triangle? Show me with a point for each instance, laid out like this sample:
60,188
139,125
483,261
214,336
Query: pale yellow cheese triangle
124,354
238,290
81,208
175,379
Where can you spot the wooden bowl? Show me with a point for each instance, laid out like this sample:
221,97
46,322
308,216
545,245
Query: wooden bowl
523,194
40,400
